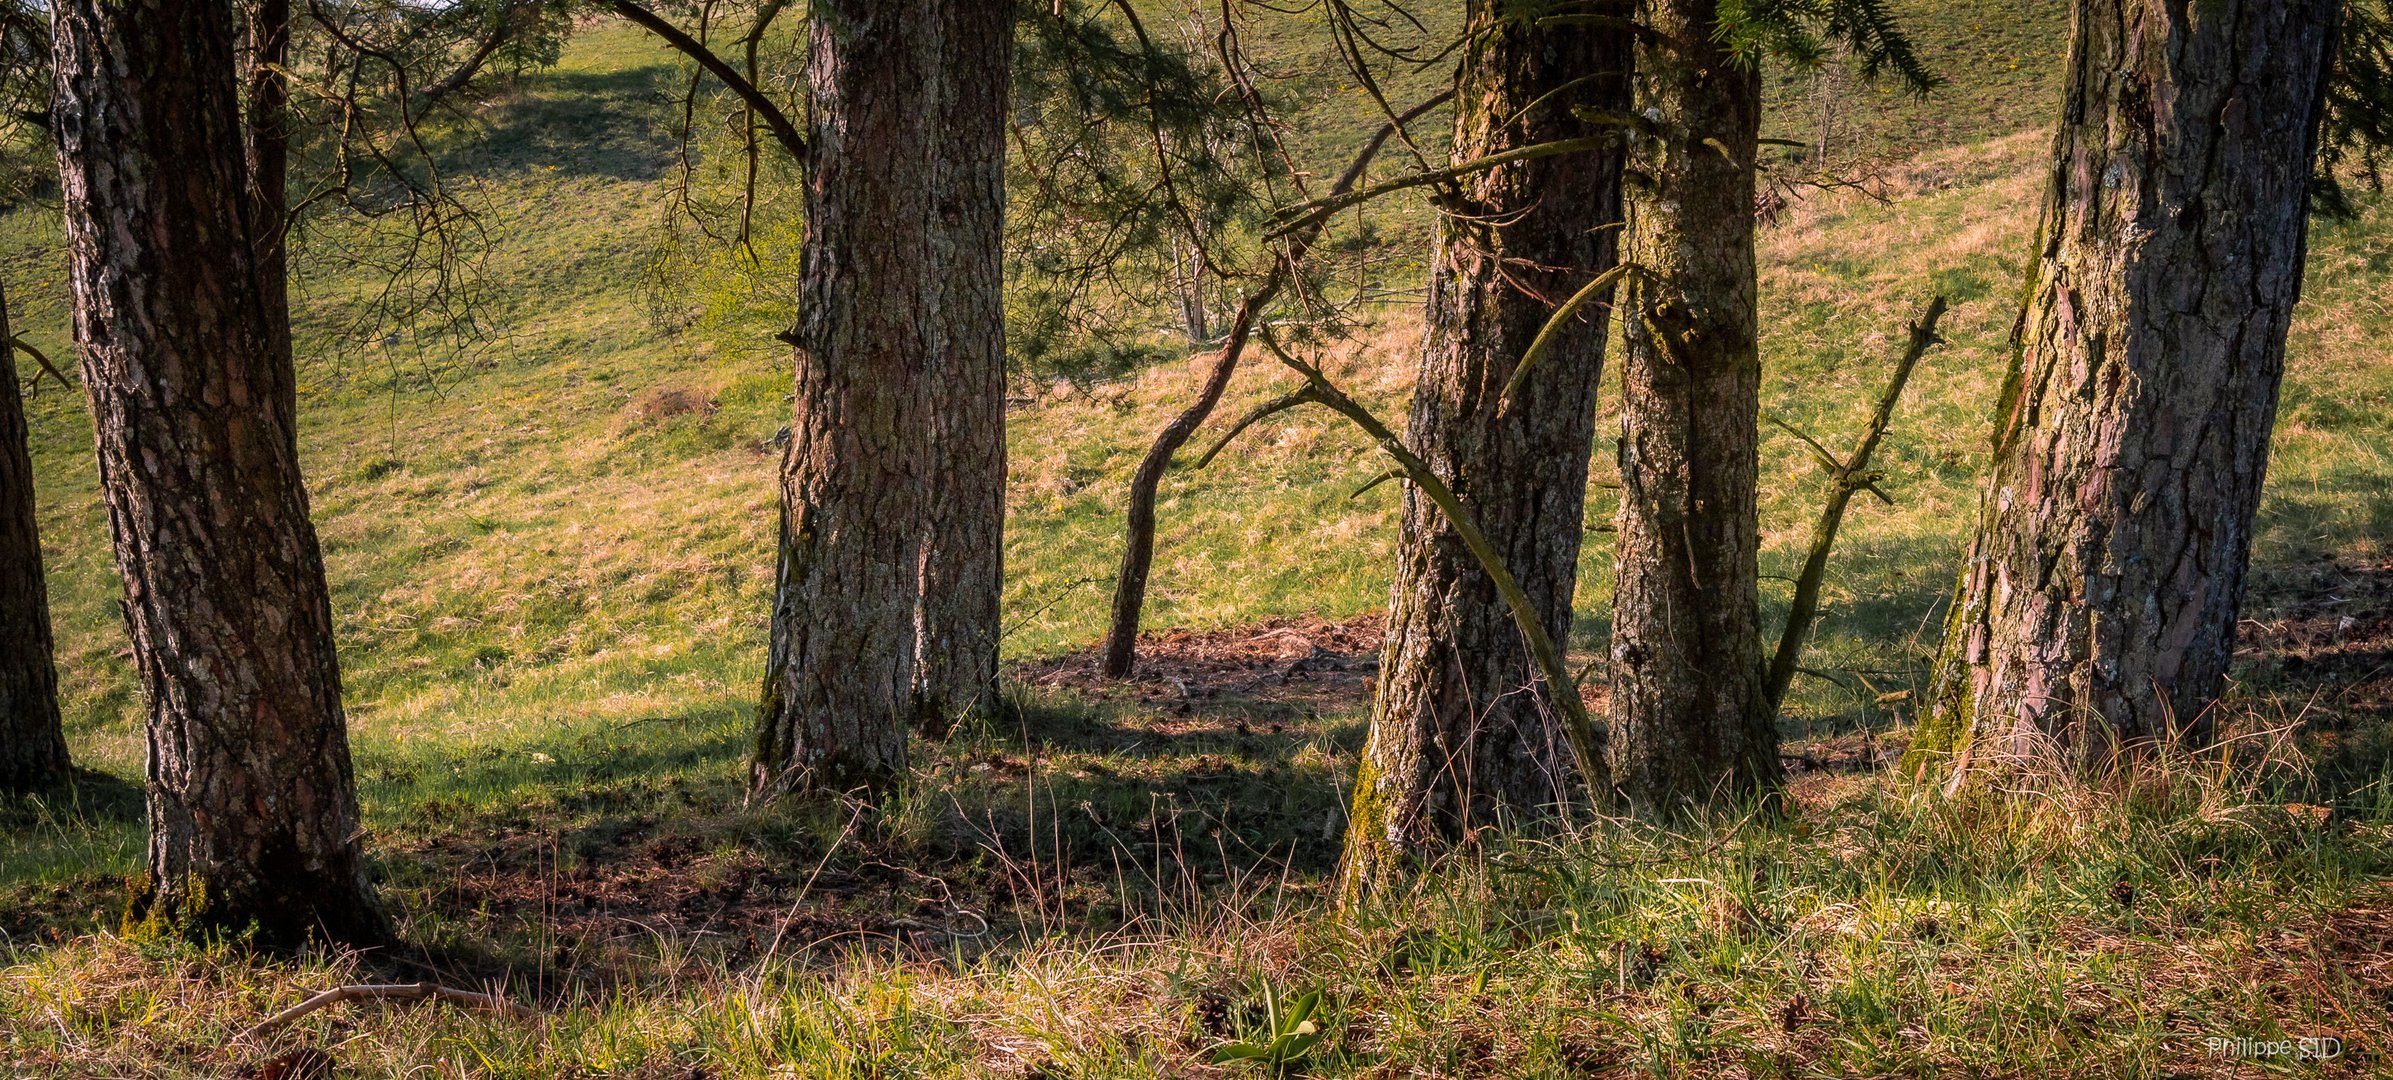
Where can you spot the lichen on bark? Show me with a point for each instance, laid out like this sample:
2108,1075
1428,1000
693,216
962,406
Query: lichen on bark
1462,731
2097,603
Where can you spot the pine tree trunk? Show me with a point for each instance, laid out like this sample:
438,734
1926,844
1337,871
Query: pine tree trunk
33,756
1460,730
266,148
2097,605
1690,719
898,434
253,814
964,549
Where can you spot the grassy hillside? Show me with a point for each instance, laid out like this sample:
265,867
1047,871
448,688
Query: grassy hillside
550,562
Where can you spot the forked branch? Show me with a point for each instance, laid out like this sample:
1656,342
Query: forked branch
10,339
1138,548
1847,478
26,347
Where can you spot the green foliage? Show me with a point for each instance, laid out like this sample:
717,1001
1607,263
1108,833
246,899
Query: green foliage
1131,174
1284,1034
1805,32
2357,131
27,160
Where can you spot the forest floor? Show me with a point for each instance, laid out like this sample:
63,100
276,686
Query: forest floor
1128,880
550,655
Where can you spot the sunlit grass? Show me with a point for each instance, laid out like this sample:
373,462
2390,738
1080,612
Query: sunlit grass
550,562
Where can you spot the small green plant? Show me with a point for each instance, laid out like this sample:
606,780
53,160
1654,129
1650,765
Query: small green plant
1288,1033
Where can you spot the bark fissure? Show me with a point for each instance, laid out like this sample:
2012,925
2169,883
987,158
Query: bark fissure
173,223
2097,604
1463,734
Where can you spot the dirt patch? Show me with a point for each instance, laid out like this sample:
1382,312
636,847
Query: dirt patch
2357,942
1305,662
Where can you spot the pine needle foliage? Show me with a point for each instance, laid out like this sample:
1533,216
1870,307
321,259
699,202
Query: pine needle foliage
1808,33
1128,159
2356,131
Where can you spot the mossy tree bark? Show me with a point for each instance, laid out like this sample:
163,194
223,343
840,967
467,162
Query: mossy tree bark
1690,715
33,756
2097,605
1461,728
892,487
186,360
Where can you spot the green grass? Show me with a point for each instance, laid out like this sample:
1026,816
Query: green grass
2104,929
550,563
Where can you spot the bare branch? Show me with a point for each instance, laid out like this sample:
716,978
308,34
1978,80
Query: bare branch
1850,477
1138,550
1279,404
1391,474
391,992
1827,460
1312,213
26,347
1553,325
775,121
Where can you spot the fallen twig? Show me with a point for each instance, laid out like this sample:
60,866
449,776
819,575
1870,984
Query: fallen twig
421,991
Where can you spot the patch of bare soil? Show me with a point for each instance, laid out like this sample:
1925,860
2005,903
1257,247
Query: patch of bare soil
1305,663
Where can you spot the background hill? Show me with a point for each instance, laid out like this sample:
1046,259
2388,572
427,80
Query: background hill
550,553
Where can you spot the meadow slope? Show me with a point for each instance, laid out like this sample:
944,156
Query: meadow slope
550,561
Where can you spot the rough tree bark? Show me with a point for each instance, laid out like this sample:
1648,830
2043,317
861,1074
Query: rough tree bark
897,434
2097,606
266,149
1460,729
1690,714
963,550
253,813
33,757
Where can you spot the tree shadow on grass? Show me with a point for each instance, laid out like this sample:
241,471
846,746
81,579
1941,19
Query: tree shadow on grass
604,124
67,855
632,853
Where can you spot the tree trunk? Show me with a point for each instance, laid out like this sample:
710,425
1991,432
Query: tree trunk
1690,715
1195,324
33,757
253,814
892,488
2097,607
266,148
1138,533
1461,733
963,551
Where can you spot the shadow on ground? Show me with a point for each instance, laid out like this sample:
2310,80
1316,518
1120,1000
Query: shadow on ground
1215,776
